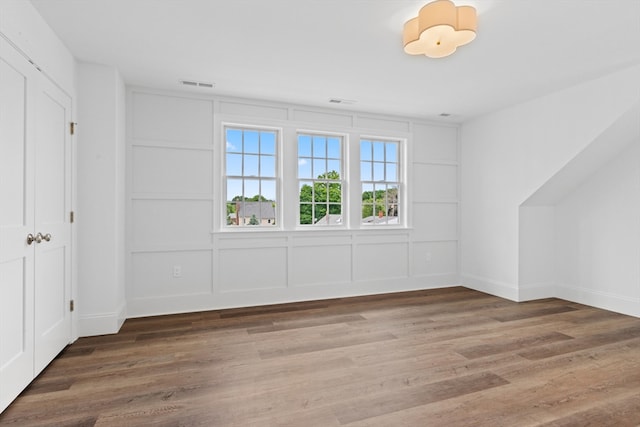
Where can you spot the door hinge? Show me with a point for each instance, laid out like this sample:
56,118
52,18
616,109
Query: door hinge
72,217
72,305
72,128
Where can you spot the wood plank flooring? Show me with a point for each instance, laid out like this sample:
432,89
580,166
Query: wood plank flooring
447,357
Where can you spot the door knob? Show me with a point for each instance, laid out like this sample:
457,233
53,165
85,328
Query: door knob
30,239
40,237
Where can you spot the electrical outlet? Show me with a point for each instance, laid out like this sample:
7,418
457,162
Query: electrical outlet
177,271
427,257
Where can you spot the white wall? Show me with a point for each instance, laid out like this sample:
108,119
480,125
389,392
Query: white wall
537,254
598,237
100,215
175,211
508,155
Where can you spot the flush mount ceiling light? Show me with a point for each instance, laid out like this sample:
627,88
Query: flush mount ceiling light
439,29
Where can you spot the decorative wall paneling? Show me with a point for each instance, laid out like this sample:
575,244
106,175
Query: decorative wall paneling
175,151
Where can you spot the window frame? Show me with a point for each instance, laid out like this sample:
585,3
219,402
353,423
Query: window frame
287,181
344,173
400,200
276,179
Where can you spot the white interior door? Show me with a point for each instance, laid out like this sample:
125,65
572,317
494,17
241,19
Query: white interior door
52,224
16,222
35,228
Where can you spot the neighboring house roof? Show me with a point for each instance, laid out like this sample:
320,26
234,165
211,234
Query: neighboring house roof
380,220
334,219
262,210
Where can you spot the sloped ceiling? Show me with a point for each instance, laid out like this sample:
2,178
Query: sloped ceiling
308,51
611,142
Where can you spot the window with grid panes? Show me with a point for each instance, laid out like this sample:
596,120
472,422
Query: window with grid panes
320,180
251,176
380,181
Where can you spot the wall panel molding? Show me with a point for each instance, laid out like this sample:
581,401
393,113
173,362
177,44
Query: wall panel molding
175,149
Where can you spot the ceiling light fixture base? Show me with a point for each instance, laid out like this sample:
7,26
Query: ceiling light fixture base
439,29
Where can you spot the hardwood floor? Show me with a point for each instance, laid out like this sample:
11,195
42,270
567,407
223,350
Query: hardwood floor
447,357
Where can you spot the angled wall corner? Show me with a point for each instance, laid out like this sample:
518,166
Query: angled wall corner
579,233
536,252
101,196
517,163
624,131
598,237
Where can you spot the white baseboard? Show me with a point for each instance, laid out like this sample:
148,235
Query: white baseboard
102,323
192,303
607,301
122,315
489,286
533,291
110,323
518,293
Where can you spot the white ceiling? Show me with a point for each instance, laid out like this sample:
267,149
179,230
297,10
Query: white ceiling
308,51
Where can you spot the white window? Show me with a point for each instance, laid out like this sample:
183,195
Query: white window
320,179
251,176
380,181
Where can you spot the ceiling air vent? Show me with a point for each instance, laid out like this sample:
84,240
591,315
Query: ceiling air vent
341,101
194,83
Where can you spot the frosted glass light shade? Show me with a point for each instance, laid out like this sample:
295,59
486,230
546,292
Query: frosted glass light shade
439,29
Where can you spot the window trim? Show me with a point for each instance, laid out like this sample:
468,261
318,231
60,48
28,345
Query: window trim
224,227
401,163
344,174
287,181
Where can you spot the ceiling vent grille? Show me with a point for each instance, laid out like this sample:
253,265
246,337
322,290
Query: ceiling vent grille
194,83
341,101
